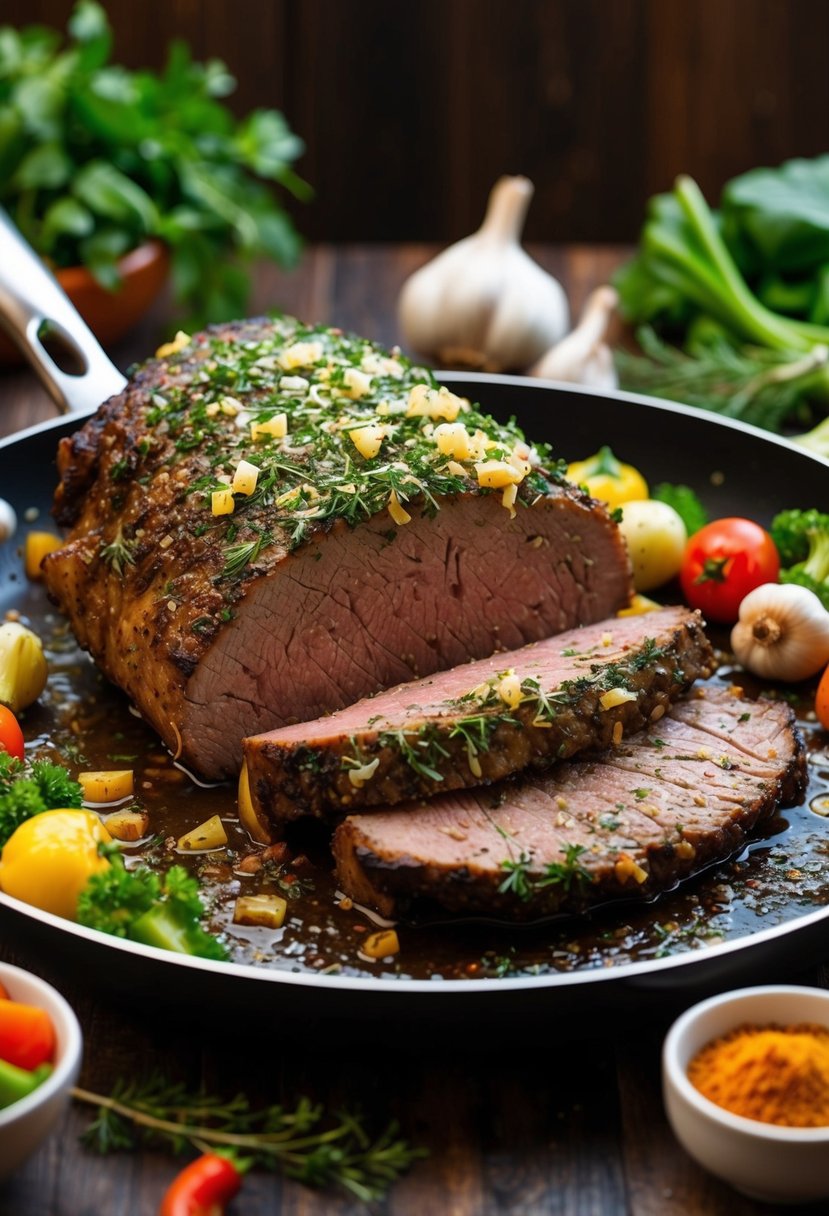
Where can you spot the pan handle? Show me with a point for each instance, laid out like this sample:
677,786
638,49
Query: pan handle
31,296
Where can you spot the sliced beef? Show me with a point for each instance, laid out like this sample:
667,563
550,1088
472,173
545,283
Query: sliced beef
463,727
627,823
341,572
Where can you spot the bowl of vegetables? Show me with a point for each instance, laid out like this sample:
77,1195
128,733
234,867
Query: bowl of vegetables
40,1055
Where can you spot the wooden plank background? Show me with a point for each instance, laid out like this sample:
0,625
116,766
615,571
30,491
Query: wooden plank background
411,110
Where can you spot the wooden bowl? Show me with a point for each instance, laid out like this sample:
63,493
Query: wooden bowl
110,314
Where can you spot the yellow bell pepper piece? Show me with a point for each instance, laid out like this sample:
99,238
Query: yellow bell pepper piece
37,546
48,860
607,479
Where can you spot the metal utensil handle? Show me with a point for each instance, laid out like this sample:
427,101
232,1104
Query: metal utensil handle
29,296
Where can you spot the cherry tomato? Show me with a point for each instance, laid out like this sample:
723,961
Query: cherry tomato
723,562
203,1187
11,736
822,700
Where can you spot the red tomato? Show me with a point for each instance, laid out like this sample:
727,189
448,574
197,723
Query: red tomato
203,1187
822,700
27,1037
11,736
723,562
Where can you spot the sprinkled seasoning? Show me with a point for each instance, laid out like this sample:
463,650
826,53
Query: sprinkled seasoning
293,428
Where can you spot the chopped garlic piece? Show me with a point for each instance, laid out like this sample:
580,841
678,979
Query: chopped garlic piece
616,696
300,354
494,474
425,402
368,439
359,776
221,502
273,428
294,384
212,410
357,382
453,439
457,470
245,478
626,868
508,498
473,761
398,512
165,541
230,406
172,348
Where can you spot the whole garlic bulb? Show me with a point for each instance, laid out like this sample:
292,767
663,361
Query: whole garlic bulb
8,520
484,302
782,632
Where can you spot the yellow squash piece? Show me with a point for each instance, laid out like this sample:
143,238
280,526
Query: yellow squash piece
109,786
48,860
265,911
23,671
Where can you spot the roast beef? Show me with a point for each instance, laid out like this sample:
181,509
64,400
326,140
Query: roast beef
630,822
387,530
482,721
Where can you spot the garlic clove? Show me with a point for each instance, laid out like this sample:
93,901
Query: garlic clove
484,302
23,670
782,633
583,357
8,521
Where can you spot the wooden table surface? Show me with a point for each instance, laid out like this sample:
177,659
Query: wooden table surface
566,1121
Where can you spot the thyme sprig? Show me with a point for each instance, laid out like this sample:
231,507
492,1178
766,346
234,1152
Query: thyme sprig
301,1142
520,880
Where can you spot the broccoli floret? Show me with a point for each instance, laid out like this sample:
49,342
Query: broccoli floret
26,790
163,911
802,540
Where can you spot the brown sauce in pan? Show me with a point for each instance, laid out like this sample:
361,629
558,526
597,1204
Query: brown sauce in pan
87,724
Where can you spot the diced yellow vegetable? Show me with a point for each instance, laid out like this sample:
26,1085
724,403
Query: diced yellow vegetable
221,502
255,826
300,354
425,402
495,474
382,944
109,786
368,439
127,825
509,690
267,911
357,382
38,545
272,428
245,478
208,835
23,671
453,439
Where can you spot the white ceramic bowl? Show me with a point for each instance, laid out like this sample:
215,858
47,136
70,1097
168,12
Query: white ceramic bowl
774,1164
24,1124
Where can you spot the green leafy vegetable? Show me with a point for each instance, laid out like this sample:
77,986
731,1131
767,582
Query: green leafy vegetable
802,539
163,911
747,291
94,159
686,504
301,1142
27,789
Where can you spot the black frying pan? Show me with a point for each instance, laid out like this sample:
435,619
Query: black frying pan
735,469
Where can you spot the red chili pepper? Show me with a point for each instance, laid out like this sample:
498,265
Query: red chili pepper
203,1187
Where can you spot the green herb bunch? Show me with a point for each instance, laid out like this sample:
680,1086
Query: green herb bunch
95,159
27,789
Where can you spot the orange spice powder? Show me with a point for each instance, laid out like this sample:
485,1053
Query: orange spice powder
775,1074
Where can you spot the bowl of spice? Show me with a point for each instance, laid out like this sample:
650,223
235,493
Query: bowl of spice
746,1087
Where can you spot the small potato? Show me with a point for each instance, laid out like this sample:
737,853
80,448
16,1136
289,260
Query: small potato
655,537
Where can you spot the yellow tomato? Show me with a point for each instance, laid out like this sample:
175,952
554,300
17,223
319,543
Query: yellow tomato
46,862
607,479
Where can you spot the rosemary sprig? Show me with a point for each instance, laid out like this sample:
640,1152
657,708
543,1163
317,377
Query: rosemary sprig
118,553
521,882
301,1142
